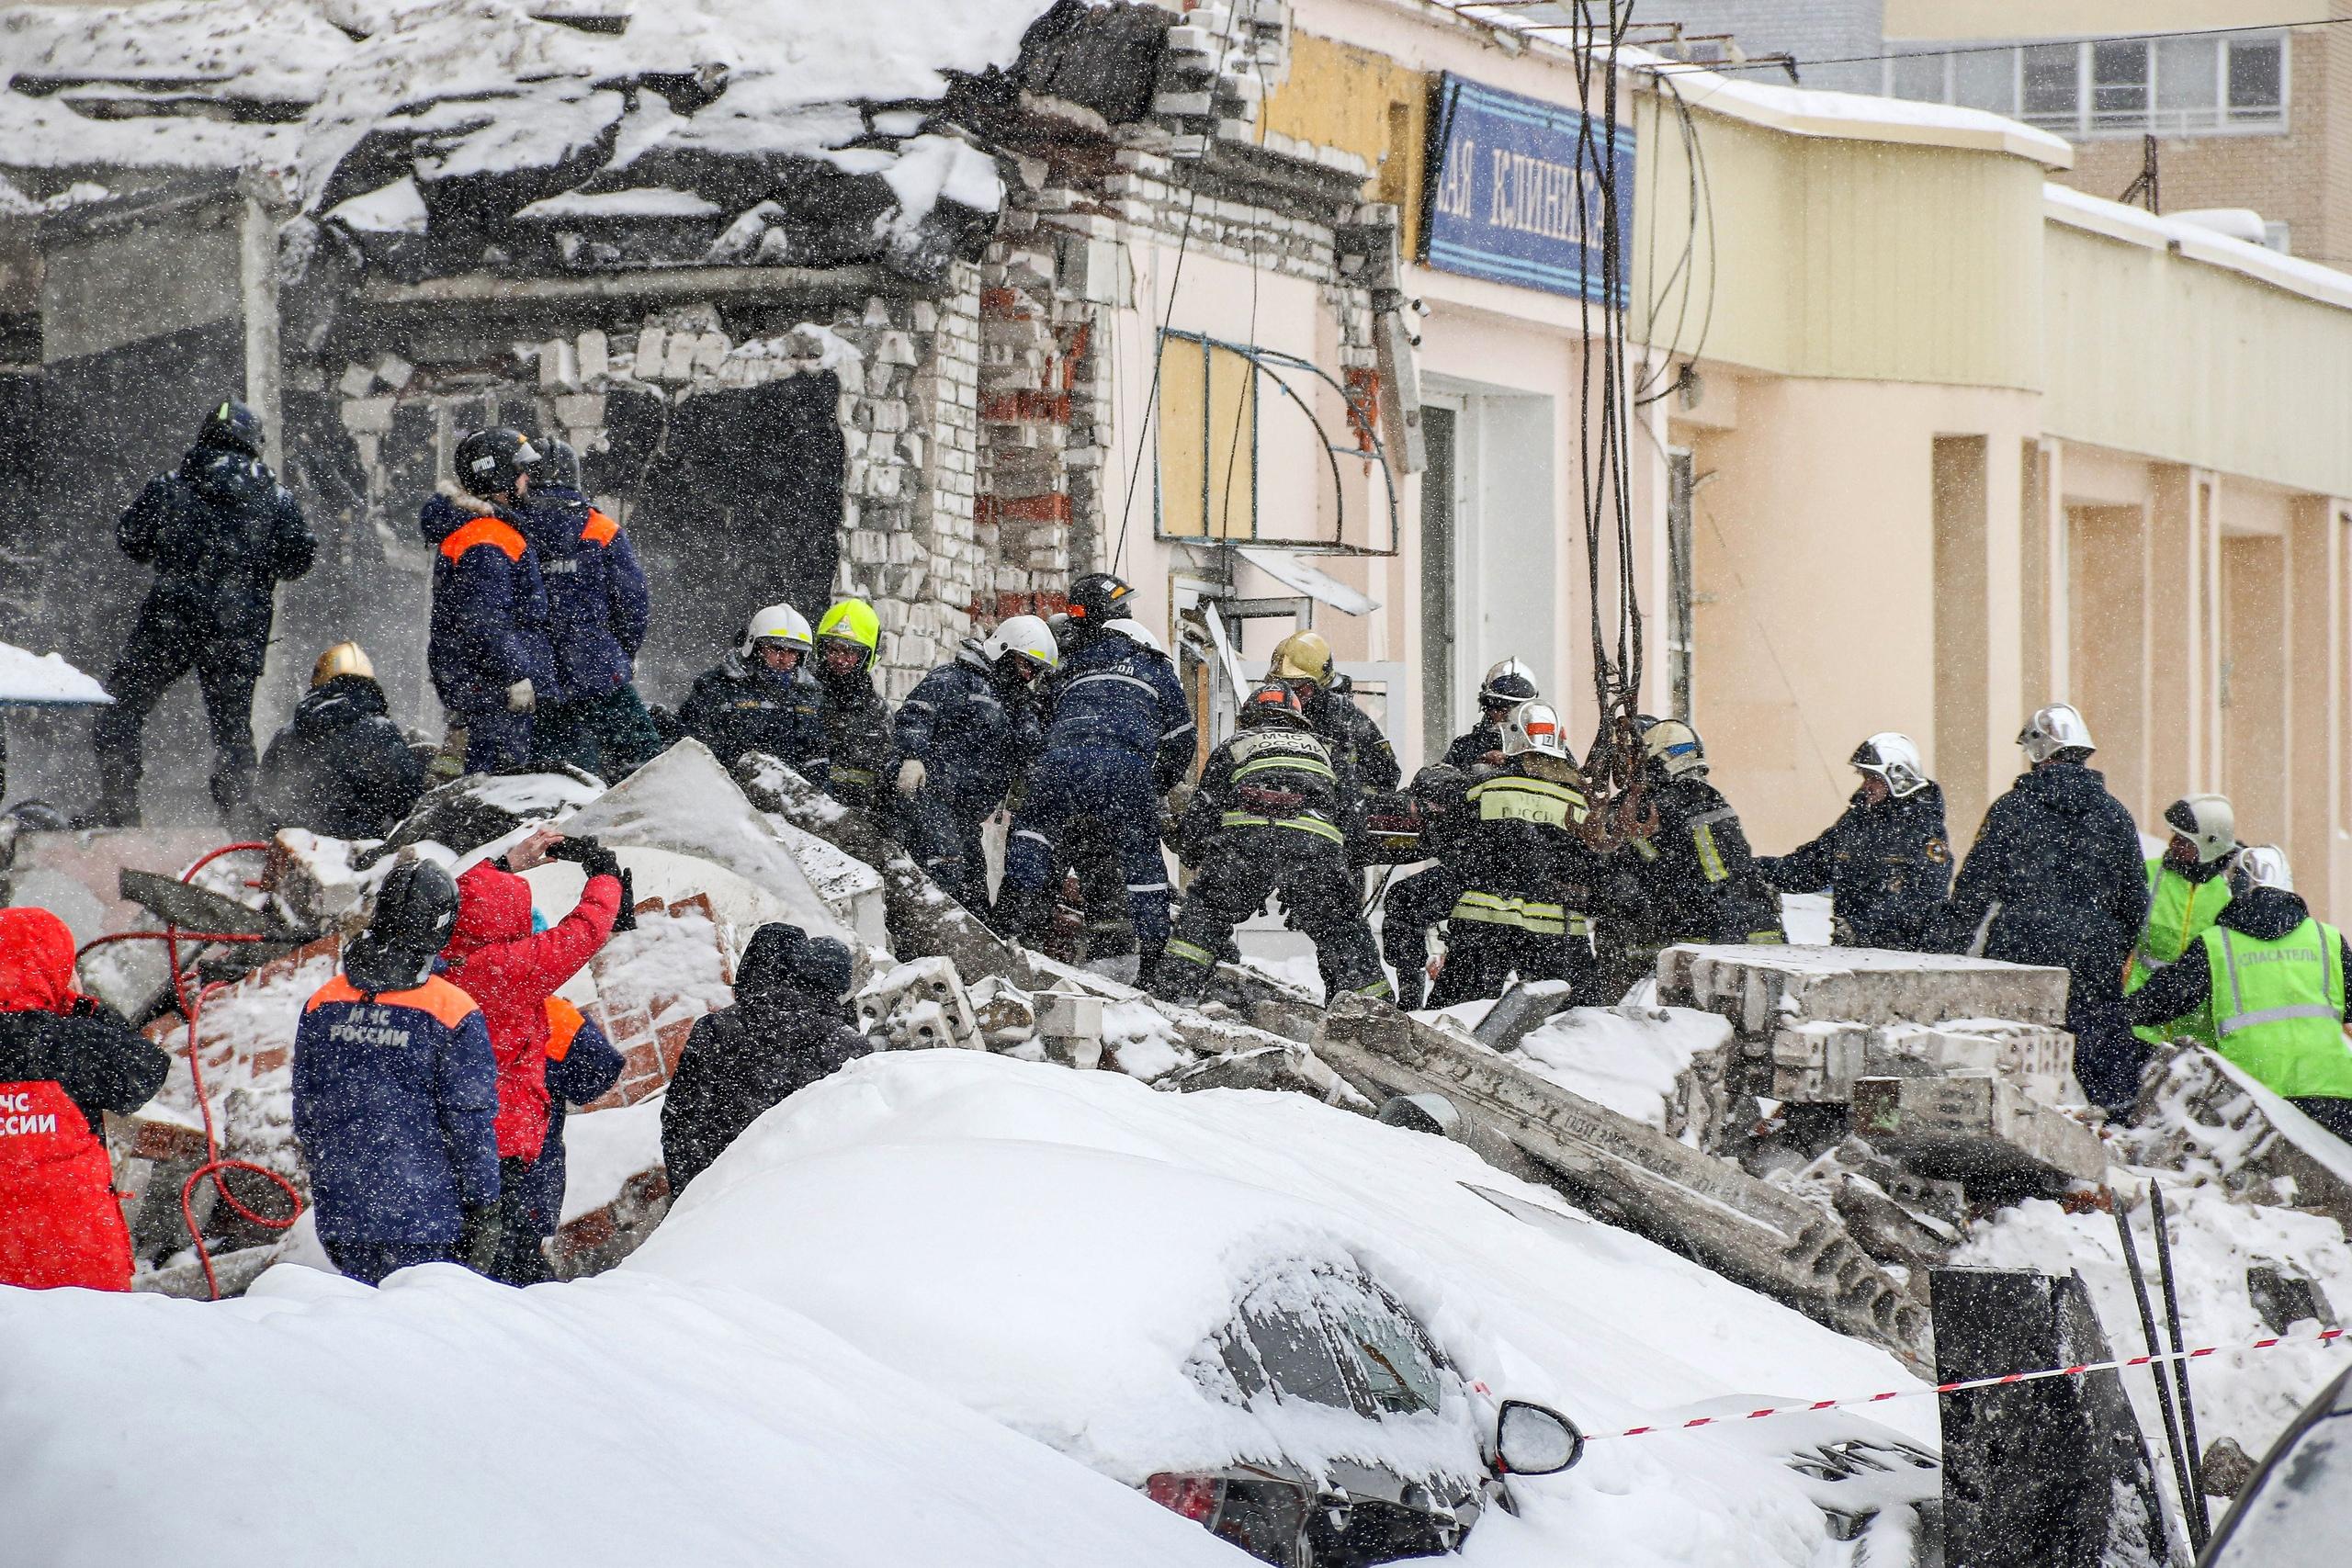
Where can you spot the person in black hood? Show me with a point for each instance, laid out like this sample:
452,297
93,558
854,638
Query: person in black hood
222,533
1885,862
341,766
787,1029
2055,879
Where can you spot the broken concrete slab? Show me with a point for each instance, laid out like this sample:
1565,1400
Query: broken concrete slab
2200,1114
1817,1063
1764,988
1520,1011
1635,1176
685,802
1974,1129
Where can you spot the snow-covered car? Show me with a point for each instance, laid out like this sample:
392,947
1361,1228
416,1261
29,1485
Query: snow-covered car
2294,1512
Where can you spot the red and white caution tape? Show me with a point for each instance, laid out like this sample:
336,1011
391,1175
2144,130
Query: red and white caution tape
2323,1337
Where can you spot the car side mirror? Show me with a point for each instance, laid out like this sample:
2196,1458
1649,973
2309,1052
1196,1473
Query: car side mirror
1532,1439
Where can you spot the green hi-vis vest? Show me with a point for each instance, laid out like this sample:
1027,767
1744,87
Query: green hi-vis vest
1515,797
2277,1008
2179,911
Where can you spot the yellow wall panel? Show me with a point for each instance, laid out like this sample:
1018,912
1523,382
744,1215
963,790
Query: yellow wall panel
1360,102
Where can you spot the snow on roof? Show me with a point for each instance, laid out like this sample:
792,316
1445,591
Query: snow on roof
608,1423
44,679
2197,240
1050,1247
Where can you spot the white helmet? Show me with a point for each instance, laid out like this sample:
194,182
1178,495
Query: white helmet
1027,636
1507,685
1535,727
2053,732
1895,757
779,622
2206,821
1675,747
2263,866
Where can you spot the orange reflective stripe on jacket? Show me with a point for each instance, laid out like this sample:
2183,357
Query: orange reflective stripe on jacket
447,1005
599,529
563,1023
484,531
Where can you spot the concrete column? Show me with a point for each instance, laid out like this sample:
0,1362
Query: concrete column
2176,635
1962,629
2206,766
2060,556
2112,673
2311,739
2035,562
2253,698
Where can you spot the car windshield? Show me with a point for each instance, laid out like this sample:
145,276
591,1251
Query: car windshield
2299,1513
1332,1338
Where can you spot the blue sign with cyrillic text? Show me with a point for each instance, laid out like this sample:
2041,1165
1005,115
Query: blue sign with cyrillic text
1518,189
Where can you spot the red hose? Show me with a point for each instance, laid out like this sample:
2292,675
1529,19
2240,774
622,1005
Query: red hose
191,1008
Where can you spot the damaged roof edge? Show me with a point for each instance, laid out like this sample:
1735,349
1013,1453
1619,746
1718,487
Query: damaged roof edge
462,288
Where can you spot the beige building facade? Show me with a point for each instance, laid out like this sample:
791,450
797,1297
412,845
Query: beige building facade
1958,441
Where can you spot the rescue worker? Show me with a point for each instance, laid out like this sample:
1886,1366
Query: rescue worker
341,767
1526,875
2187,888
396,1094
222,533
2055,879
582,1065
1119,734
787,1029
496,958
1416,903
597,610
962,734
64,1061
1698,880
1885,862
488,650
854,719
761,698
1265,820
1365,761
2265,984
1506,686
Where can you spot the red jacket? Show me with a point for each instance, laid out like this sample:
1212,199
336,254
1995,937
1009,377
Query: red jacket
62,1062
495,958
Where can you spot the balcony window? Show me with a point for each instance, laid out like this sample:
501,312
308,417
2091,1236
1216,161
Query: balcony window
2174,86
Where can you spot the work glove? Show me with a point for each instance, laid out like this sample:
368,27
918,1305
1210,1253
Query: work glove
478,1237
520,697
627,919
588,855
910,777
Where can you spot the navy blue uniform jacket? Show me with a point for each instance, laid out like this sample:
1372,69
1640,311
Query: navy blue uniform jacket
1114,692
489,607
394,1100
597,607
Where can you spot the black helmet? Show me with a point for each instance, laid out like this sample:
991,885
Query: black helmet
1098,597
231,427
1506,686
558,464
1439,785
1273,703
489,462
415,908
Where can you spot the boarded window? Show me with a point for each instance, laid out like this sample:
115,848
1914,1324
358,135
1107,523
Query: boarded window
1208,440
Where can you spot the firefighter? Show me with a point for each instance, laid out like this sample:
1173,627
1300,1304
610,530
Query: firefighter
1266,819
2265,984
761,698
1506,686
962,734
1119,736
854,719
487,649
1366,761
2055,879
396,1094
1416,903
1885,862
2187,888
597,610
222,533
341,766
1526,875
64,1061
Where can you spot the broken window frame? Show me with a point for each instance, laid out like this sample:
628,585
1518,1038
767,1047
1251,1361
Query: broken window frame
1268,363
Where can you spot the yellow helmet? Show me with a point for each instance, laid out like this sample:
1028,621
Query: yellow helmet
1302,656
853,621
343,658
